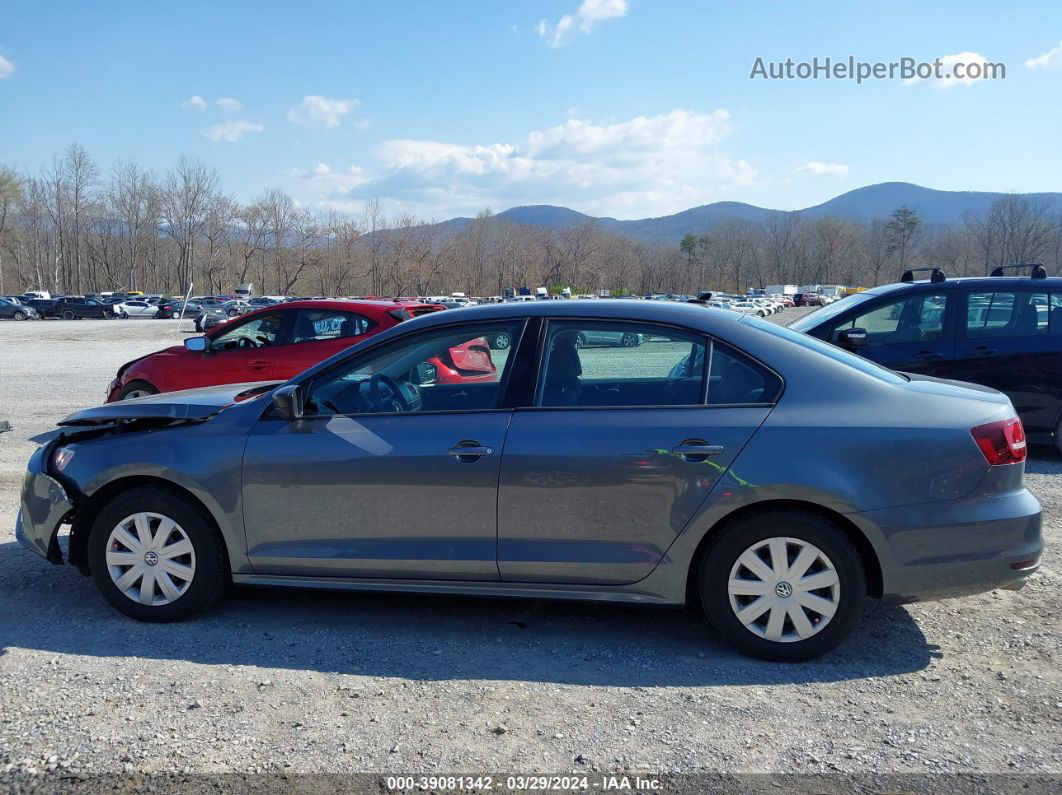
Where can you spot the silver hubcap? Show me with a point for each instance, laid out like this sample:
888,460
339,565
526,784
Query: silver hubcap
784,589
135,394
150,559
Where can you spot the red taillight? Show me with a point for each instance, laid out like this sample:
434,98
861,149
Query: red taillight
1001,442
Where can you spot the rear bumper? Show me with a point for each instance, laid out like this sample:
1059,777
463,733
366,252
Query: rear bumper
45,505
939,551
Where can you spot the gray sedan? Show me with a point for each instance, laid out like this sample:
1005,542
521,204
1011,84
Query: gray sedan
773,480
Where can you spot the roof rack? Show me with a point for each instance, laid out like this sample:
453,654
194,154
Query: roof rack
935,274
1037,270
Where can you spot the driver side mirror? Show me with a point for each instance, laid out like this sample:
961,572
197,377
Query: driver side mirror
288,401
426,374
197,344
852,338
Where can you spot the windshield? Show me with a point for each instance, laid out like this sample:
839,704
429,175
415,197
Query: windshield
812,319
825,348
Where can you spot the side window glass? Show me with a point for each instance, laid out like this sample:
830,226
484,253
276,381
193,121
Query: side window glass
1054,313
315,325
735,378
917,318
451,369
260,332
620,364
1010,314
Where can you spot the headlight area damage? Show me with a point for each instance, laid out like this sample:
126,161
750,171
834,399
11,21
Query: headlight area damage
50,496
50,500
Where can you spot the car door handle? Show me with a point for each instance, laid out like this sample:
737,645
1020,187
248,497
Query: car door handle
257,365
930,355
470,451
984,350
695,450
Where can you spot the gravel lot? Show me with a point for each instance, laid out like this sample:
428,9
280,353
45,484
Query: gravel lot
326,683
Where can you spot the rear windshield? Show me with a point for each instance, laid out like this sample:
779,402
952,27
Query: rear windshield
826,349
814,318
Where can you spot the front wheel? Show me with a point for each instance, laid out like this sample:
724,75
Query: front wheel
783,585
501,341
154,557
19,315
137,389
629,340
68,314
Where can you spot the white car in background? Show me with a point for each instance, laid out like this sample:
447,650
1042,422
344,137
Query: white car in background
763,303
128,309
750,308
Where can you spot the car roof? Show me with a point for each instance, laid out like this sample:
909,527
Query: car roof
339,304
993,283
604,309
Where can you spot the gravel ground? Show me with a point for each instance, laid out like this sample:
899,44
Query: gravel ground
324,683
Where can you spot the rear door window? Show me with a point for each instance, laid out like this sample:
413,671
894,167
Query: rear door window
315,325
1006,314
605,363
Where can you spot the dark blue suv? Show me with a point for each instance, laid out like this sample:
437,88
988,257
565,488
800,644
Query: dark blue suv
1002,331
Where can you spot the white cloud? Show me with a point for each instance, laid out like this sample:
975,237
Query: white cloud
333,182
315,111
231,131
817,169
589,14
1052,57
969,61
229,104
194,102
6,68
648,165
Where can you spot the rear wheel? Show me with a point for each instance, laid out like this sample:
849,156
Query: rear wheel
783,585
629,340
68,314
154,557
136,389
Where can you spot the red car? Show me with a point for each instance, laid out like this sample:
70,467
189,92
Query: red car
280,341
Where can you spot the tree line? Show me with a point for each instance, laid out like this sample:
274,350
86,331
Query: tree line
71,228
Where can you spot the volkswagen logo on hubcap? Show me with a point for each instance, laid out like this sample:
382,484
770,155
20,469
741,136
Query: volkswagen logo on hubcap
783,589
151,558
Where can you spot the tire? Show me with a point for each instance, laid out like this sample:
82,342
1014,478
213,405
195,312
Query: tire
829,550
204,572
580,340
68,314
629,340
19,315
501,341
123,315
135,389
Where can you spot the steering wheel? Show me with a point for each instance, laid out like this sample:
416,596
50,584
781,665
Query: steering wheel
386,393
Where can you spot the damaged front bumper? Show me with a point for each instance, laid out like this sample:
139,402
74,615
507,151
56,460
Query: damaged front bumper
45,505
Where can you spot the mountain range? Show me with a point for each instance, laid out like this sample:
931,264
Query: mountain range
861,204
